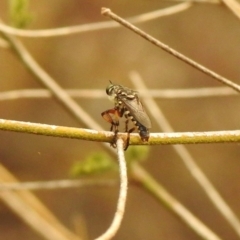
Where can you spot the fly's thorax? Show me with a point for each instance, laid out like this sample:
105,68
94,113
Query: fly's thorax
126,94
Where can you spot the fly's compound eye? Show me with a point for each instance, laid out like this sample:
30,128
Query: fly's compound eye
109,90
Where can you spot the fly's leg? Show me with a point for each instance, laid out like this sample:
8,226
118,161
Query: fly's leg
128,133
112,116
114,128
128,138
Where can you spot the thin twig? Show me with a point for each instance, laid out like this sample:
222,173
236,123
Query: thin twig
93,26
111,231
53,130
105,136
188,160
107,12
56,184
99,93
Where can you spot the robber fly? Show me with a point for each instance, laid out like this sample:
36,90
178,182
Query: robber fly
127,103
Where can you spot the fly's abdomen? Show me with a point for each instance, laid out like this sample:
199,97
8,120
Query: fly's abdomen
143,132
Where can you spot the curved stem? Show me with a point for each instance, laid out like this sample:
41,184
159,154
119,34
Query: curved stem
111,231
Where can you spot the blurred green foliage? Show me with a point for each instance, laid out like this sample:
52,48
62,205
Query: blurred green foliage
19,14
137,153
98,162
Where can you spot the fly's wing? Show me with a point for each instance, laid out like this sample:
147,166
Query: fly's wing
136,109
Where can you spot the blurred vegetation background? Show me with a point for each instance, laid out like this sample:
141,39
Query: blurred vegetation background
207,33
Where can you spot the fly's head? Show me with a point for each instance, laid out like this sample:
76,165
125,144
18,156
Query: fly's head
112,92
118,92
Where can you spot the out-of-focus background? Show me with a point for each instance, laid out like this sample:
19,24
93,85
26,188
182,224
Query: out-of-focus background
207,33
